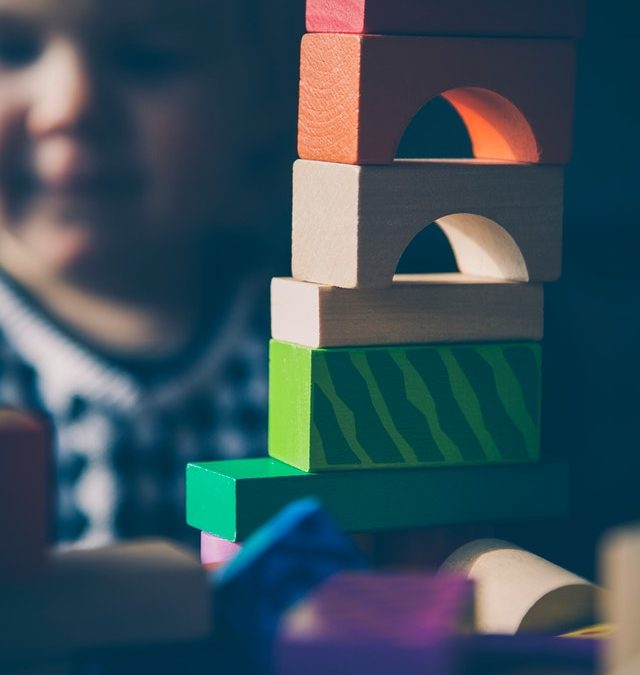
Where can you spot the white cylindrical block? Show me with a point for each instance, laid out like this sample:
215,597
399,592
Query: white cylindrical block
519,592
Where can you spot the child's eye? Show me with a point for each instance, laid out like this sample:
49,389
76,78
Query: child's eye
18,50
150,64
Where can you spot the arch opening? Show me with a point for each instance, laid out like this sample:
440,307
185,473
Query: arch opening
429,252
435,131
495,128
480,247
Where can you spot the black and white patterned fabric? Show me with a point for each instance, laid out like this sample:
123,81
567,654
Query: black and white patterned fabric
123,440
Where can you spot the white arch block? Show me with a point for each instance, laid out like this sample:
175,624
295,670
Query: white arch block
351,224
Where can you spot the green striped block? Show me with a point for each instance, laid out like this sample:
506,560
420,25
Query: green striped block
233,498
395,407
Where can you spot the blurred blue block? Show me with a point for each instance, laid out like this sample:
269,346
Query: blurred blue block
277,566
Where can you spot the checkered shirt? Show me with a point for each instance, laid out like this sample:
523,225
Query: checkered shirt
122,443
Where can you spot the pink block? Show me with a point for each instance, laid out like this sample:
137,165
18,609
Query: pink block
533,18
376,624
24,494
214,550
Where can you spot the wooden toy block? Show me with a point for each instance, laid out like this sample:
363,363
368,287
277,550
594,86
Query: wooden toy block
542,18
620,561
278,565
24,494
214,550
358,94
415,309
399,407
631,668
141,593
233,498
373,623
519,592
352,224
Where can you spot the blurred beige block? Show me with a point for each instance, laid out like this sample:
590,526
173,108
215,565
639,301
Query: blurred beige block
431,308
519,592
621,574
145,592
631,668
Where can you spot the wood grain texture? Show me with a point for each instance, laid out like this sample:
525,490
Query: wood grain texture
233,498
541,18
415,309
620,562
375,623
359,93
139,593
519,592
25,465
399,407
352,224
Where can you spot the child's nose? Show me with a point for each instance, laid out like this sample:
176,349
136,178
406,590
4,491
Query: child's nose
63,91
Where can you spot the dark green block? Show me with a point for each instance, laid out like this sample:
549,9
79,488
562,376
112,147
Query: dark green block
233,498
398,407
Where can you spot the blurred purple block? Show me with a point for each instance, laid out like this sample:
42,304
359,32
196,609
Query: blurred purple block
376,624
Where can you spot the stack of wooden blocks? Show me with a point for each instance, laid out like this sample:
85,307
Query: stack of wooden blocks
414,401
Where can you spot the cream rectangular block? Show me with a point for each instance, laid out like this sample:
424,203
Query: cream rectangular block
414,309
351,224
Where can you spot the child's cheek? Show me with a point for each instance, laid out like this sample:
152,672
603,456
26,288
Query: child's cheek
192,154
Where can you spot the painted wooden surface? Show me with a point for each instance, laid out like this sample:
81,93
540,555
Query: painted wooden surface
215,550
287,558
399,407
142,593
375,623
24,494
359,93
233,498
520,592
542,18
352,224
414,309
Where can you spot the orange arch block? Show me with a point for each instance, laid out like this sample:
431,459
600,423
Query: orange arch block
358,94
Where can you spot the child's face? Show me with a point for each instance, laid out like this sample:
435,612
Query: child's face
121,124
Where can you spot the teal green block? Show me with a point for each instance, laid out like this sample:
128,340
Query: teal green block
398,407
231,499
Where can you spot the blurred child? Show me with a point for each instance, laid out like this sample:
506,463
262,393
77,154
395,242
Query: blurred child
139,178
